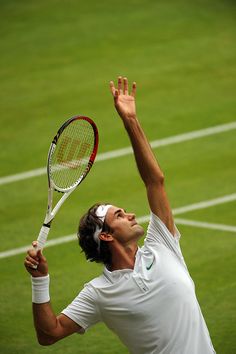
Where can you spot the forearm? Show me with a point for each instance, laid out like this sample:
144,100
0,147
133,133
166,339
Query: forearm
45,323
49,327
147,164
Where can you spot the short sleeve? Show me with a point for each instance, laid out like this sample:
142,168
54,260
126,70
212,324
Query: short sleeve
158,233
83,309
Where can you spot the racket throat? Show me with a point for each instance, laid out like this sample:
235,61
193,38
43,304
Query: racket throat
47,224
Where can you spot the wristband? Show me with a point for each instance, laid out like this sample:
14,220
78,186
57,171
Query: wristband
40,289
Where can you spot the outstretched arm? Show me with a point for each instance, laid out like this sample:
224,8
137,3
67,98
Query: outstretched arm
49,327
147,164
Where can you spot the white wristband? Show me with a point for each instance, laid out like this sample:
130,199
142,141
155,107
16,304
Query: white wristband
40,289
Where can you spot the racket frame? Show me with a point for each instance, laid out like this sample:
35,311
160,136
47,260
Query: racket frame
50,213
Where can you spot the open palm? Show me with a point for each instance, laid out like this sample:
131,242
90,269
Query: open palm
124,102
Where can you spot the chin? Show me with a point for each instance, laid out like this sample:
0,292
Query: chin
140,230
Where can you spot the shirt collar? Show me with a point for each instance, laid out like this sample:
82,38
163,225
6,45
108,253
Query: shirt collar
116,275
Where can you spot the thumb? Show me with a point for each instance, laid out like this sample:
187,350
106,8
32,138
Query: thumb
39,251
41,256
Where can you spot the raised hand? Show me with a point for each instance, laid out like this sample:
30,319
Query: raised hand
124,102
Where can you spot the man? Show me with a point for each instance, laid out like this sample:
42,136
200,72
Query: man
145,295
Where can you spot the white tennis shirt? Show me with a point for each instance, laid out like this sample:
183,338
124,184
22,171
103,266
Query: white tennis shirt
153,308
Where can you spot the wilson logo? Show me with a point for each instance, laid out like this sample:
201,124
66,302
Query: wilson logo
71,152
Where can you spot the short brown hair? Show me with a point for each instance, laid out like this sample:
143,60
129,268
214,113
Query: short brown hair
87,226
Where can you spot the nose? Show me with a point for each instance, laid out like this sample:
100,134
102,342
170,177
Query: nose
131,216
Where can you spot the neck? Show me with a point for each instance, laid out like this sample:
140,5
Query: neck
123,257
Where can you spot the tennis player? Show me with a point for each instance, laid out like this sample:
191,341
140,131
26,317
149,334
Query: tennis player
145,295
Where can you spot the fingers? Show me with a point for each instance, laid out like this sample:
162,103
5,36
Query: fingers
112,88
133,92
31,262
126,86
32,259
34,256
35,244
122,87
39,251
120,91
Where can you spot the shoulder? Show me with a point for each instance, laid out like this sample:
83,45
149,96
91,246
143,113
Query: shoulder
159,235
96,283
157,230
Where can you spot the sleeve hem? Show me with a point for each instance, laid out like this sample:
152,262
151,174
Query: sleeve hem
176,236
78,322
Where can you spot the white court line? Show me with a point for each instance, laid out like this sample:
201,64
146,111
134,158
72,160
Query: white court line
206,225
128,150
197,206
143,219
205,204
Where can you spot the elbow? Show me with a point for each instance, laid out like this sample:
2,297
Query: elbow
161,179
156,180
45,340
45,343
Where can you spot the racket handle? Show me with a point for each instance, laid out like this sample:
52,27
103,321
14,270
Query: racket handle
42,237
41,240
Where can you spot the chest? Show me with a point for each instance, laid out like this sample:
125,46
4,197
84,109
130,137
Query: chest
159,279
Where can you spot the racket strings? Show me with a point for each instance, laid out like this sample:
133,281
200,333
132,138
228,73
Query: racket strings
70,159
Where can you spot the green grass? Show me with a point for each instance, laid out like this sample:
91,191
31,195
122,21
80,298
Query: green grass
56,61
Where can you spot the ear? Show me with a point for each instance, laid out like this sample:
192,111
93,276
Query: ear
104,236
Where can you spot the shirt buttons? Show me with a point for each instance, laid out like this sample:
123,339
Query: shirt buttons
141,284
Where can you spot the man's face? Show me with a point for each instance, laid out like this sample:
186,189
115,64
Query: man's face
123,225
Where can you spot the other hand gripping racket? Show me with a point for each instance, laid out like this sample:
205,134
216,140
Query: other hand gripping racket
70,158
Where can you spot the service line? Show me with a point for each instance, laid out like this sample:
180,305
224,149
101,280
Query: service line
175,139
145,218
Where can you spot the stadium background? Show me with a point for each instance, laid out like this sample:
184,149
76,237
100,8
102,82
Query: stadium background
57,58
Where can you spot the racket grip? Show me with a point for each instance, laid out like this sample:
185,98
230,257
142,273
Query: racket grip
42,237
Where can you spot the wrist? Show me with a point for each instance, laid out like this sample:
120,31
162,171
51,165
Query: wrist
131,125
40,289
130,121
129,117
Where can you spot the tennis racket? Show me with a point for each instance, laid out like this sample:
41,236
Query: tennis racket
70,158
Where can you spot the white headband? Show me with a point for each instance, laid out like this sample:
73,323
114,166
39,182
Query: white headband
101,213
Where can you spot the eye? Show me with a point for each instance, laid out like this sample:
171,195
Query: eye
120,214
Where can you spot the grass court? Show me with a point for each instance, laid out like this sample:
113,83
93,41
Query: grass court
57,58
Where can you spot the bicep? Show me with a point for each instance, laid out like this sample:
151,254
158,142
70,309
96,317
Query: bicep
68,326
159,205
65,327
